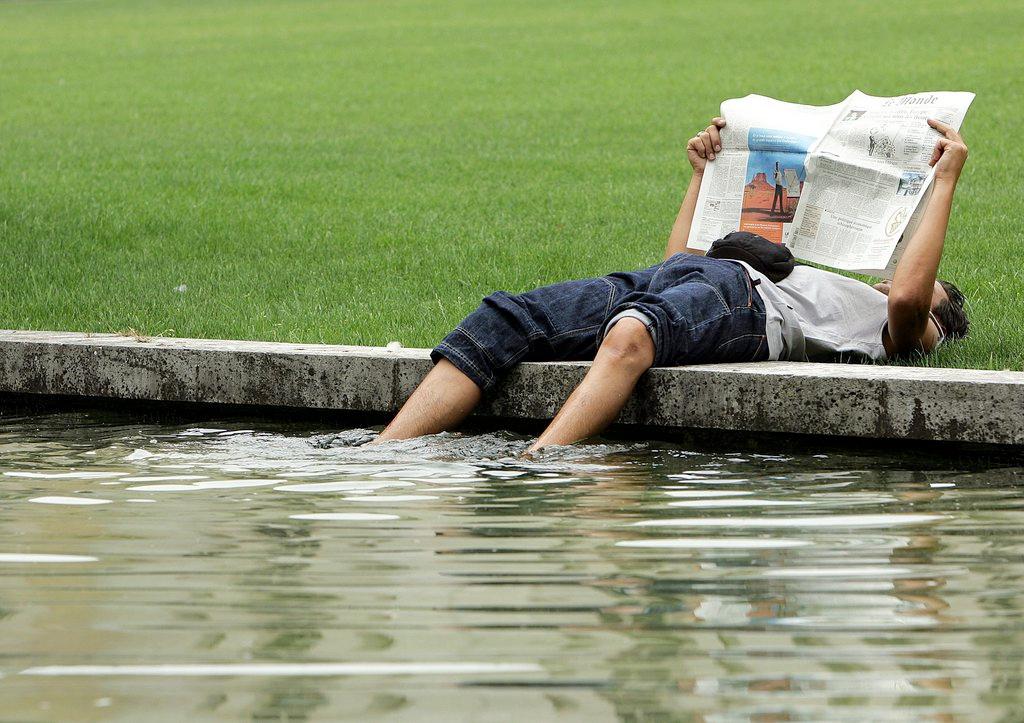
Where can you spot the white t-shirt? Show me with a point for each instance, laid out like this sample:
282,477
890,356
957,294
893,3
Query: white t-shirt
814,315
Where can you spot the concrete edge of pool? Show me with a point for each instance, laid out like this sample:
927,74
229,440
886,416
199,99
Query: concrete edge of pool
843,400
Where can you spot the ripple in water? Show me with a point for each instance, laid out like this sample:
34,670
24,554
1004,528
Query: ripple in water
610,580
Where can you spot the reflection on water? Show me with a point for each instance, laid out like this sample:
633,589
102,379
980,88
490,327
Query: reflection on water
271,571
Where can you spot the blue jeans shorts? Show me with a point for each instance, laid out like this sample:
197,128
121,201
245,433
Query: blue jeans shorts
698,310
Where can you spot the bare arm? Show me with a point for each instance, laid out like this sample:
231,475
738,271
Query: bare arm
700,150
913,284
681,228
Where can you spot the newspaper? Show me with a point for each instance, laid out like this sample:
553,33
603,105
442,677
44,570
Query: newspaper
840,185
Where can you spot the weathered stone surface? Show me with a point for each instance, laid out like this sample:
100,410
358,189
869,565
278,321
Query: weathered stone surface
832,399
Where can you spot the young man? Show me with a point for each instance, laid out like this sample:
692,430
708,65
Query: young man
692,309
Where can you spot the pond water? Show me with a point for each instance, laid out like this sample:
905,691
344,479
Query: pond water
254,569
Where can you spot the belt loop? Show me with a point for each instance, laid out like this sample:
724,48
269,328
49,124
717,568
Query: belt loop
753,282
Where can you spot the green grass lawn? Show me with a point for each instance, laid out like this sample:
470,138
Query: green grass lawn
363,171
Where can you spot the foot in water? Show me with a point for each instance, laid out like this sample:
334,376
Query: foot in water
347,438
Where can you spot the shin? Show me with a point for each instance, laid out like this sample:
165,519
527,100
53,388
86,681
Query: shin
625,354
443,399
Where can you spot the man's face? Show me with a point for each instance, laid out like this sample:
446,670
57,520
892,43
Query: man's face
938,293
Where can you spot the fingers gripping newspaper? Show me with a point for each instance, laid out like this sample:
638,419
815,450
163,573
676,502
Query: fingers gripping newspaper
841,185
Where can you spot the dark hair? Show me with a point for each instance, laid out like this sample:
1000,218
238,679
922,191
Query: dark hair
951,313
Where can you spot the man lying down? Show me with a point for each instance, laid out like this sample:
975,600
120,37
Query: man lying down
693,309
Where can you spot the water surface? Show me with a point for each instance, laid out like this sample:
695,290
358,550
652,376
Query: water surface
269,571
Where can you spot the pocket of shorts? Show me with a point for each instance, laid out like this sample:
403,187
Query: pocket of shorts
738,349
705,307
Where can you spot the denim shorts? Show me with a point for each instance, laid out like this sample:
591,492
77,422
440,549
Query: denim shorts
700,310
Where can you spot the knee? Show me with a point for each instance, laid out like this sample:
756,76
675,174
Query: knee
629,345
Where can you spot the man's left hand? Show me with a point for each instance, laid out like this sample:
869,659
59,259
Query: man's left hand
704,146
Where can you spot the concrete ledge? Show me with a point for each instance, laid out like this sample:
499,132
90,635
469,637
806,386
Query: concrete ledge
955,405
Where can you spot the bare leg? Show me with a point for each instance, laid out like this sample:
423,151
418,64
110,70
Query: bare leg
444,398
625,354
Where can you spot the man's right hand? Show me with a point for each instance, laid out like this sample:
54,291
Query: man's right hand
704,146
950,153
